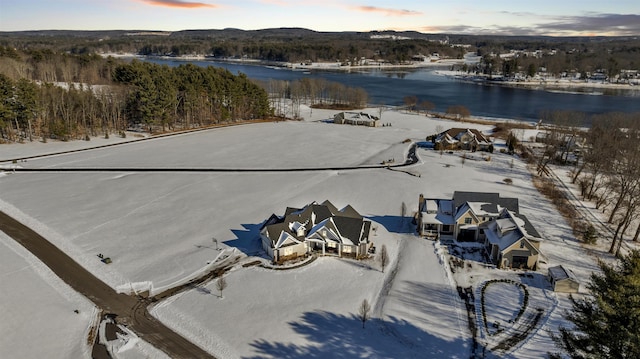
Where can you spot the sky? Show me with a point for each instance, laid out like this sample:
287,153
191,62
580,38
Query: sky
514,17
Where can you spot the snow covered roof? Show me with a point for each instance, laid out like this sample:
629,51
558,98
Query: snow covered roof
484,209
437,211
454,135
503,241
356,116
560,273
430,206
509,229
505,225
461,197
525,226
318,222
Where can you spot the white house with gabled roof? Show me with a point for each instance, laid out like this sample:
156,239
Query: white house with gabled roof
317,228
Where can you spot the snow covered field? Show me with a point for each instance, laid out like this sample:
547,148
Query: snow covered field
158,229
38,316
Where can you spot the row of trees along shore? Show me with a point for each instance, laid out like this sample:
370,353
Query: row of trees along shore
287,96
44,94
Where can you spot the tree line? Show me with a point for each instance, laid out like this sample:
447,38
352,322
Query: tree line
606,163
287,96
120,95
557,55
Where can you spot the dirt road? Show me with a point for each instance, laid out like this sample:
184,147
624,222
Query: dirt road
131,311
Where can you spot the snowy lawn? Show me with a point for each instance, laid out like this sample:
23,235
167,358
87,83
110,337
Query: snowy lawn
312,311
39,318
158,229
502,302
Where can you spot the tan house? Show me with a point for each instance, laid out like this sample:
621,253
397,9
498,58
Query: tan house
316,228
468,139
461,216
356,118
508,237
511,241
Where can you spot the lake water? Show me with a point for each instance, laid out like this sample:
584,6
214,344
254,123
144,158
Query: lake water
390,87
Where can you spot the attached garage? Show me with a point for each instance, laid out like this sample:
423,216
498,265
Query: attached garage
563,280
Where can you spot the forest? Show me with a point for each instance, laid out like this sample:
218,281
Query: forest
51,95
62,96
557,55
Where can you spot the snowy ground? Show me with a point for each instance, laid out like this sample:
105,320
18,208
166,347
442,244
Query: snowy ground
39,318
158,229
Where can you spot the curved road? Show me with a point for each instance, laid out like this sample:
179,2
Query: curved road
131,311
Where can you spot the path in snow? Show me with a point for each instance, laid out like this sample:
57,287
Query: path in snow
421,294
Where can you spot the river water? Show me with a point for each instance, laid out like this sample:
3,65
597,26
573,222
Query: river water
390,87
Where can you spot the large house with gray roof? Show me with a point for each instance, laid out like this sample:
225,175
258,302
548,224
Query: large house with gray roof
509,238
316,228
462,139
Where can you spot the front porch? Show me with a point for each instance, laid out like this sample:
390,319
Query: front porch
336,249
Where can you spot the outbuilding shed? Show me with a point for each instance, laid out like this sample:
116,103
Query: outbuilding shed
563,280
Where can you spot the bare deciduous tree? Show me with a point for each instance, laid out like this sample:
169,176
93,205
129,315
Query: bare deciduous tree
427,106
383,257
221,284
364,311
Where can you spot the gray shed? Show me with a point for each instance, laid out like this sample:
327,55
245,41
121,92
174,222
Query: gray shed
563,280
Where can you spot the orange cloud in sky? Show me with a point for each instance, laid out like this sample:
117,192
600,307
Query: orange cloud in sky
387,11
178,4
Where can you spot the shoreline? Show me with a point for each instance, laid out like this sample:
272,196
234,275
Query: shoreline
581,87
542,84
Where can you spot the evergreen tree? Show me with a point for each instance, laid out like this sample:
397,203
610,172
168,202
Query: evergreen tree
607,323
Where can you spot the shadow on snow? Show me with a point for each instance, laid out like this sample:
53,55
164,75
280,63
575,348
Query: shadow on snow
332,335
394,224
247,239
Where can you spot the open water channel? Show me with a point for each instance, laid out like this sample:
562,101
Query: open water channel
390,87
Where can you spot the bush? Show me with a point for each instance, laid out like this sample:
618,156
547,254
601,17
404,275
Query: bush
507,181
590,235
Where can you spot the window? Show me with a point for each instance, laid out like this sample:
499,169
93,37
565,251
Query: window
521,244
467,220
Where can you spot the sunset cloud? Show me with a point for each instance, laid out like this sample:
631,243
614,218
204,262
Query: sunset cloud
178,4
586,25
386,11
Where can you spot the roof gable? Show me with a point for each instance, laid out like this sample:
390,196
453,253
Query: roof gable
349,228
349,211
455,134
461,197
